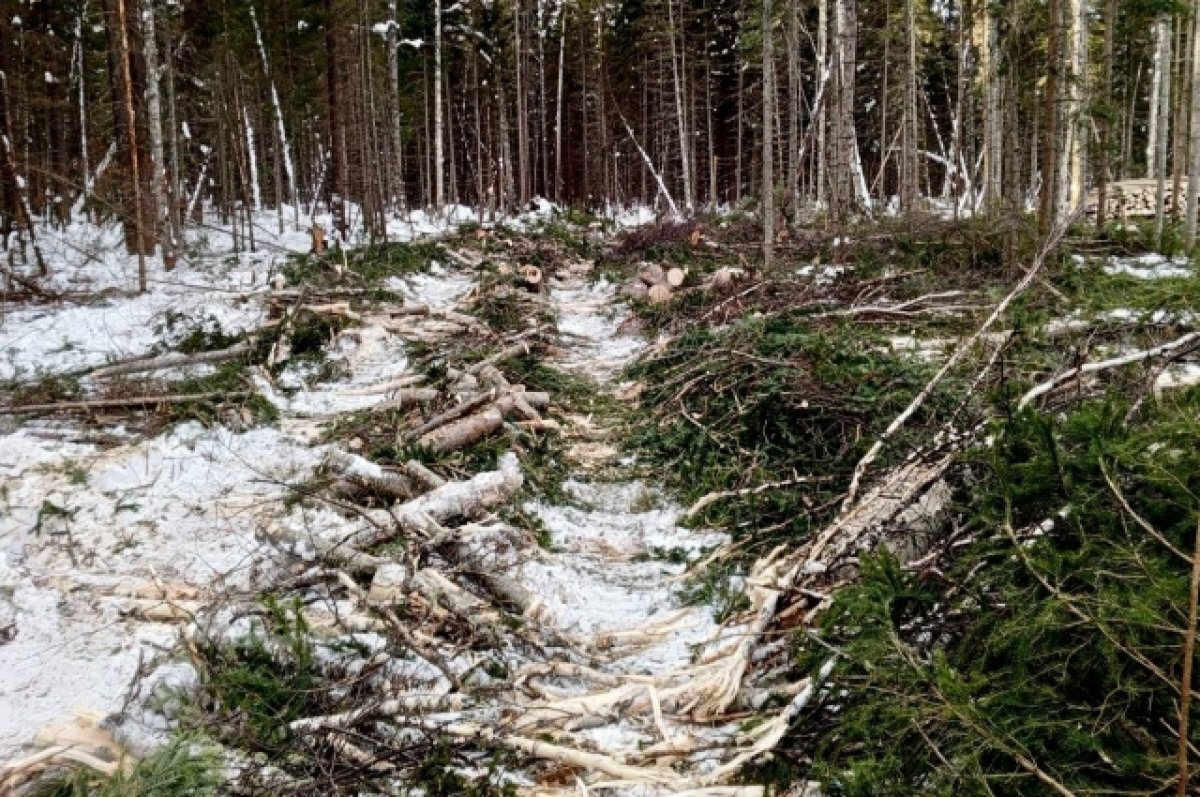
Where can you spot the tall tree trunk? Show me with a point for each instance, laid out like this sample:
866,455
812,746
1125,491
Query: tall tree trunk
768,173
681,120
125,97
1193,183
908,153
1162,64
338,167
439,155
1050,117
154,127
823,70
993,125
1072,169
794,94
1104,173
846,167
285,149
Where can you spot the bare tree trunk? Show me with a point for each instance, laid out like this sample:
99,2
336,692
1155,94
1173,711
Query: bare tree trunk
125,79
681,121
439,155
823,71
1104,174
1159,67
280,128
1072,170
1050,134
1162,63
845,166
158,172
523,167
993,125
909,180
1193,186
794,93
558,102
768,174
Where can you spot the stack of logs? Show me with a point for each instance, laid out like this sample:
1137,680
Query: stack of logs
654,284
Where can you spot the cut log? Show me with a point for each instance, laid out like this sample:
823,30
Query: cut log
726,276
635,289
176,360
466,408
318,240
652,274
659,294
422,475
514,350
490,376
464,432
532,277
362,473
465,499
405,398
676,276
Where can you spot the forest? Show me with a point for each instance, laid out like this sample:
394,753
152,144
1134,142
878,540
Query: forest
517,398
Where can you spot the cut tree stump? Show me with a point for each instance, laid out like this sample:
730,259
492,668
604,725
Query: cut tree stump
659,294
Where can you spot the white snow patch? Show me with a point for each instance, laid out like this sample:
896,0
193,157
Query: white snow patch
593,328
84,530
1150,267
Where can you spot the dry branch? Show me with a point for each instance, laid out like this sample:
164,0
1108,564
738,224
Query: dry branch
1176,347
959,354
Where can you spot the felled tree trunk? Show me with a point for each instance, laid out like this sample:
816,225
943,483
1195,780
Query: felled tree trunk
463,433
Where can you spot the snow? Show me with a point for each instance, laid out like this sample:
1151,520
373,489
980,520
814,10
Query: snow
90,535
183,510
604,575
594,330
1150,267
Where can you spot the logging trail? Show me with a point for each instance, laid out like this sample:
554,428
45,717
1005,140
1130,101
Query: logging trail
116,543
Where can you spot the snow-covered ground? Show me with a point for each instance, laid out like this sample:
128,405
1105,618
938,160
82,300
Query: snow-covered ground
104,537
96,537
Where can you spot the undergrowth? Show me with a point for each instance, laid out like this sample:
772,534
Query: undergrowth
768,400
1046,657
364,266
182,768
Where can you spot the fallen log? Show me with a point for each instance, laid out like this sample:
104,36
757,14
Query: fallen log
465,499
652,274
422,475
464,432
177,360
659,294
408,704
362,473
454,413
1175,347
515,350
121,403
405,398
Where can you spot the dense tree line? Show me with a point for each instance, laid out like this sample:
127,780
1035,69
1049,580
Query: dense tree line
156,111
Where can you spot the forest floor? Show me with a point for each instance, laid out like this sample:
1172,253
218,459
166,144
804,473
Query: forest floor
411,515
